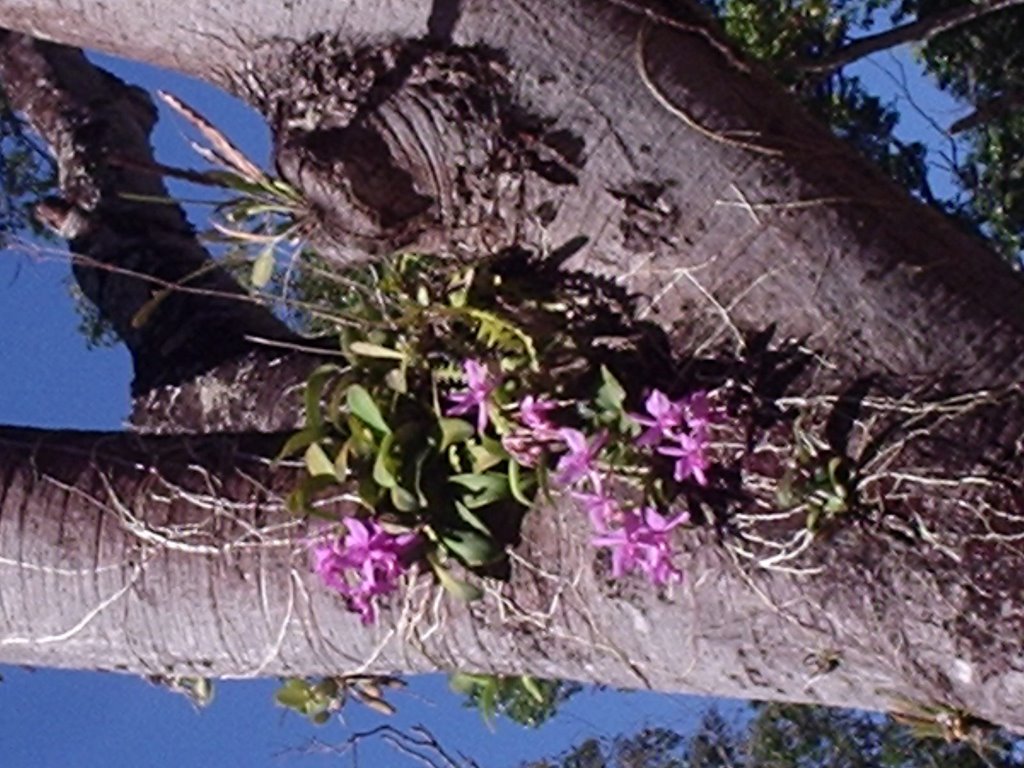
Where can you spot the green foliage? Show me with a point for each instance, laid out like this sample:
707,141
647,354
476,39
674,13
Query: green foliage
319,700
793,736
522,699
379,420
797,736
781,31
257,210
816,480
198,690
981,63
654,747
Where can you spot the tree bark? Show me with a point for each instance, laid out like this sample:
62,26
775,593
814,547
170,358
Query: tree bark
762,213
746,232
174,556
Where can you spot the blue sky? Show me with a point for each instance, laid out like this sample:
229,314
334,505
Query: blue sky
54,718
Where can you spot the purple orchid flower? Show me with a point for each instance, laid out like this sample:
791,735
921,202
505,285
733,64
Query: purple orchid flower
526,444
363,564
624,545
690,459
533,412
578,462
523,448
658,552
664,416
604,511
642,543
479,386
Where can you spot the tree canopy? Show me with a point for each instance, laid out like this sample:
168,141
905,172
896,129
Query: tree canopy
789,736
969,49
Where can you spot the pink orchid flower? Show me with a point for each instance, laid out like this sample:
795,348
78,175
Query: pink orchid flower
579,461
642,543
363,564
690,459
476,396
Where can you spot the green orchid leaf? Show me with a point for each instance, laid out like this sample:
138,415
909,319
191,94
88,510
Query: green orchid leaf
383,472
454,431
370,493
294,693
403,500
396,380
314,392
468,517
479,482
488,702
543,477
368,349
292,699
300,500
486,488
263,267
813,518
318,464
335,412
298,441
836,478
531,687
610,395
326,688
458,588
463,682
471,547
341,461
362,439
320,718
362,405
518,485
486,454
421,459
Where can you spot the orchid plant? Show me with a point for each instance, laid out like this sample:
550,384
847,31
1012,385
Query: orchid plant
450,420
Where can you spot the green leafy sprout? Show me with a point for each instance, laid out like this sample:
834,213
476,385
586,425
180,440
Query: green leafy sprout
524,699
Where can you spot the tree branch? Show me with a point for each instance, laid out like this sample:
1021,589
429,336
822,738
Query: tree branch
923,29
988,110
98,127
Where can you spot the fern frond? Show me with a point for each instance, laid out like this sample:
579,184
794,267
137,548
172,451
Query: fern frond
498,333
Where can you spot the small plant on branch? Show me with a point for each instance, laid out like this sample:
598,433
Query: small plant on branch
453,417
815,480
260,210
523,699
320,699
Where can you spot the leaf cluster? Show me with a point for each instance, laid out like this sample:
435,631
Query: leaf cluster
319,700
524,699
379,421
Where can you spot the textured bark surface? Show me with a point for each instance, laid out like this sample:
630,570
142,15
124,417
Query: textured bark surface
769,255
174,556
